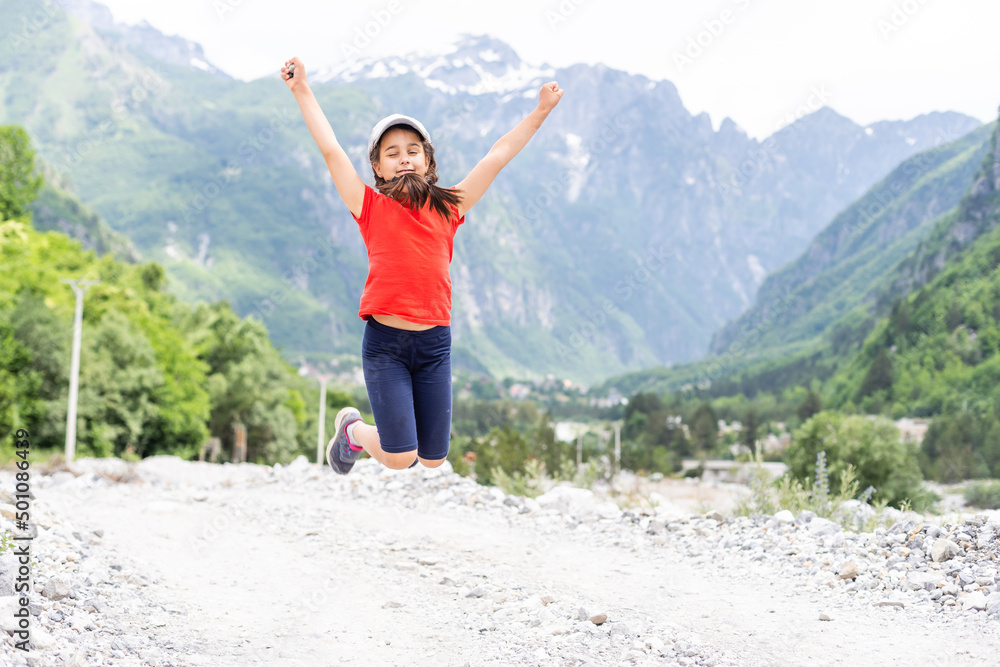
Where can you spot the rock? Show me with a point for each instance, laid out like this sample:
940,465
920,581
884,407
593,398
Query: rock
582,614
890,603
476,592
56,588
824,617
944,549
608,510
848,570
974,601
820,527
714,515
923,581
392,604
598,619
42,639
9,604
784,516
8,572
568,500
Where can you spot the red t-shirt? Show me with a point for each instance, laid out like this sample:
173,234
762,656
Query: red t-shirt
409,253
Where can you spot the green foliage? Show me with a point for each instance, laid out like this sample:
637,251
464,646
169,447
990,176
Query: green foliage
156,376
652,439
870,445
503,448
19,183
530,483
962,446
6,542
768,495
809,406
984,495
878,377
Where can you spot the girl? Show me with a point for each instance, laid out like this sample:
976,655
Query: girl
407,222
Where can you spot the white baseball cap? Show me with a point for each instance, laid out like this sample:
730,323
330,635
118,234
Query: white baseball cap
395,119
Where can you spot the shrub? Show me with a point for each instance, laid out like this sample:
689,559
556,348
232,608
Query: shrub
984,495
870,445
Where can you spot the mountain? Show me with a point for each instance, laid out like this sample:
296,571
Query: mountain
845,264
57,209
913,330
622,237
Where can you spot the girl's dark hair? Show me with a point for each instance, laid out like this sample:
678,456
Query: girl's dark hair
411,189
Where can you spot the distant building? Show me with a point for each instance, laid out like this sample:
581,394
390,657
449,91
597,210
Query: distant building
911,429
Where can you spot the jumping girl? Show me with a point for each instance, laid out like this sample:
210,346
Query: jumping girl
407,222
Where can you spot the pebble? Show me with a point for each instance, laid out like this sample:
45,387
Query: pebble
97,606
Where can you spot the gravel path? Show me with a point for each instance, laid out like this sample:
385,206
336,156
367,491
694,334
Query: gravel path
184,563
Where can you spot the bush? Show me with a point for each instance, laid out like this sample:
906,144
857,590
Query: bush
869,444
984,495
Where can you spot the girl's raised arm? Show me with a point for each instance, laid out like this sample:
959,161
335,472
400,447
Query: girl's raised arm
479,179
349,185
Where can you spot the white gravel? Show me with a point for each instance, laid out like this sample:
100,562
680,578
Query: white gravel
186,563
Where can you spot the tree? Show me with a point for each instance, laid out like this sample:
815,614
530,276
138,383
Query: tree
879,375
751,425
705,428
19,184
809,406
870,444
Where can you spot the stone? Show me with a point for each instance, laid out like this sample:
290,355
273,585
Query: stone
974,601
825,617
923,581
820,527
476,592
9,604
56,588
608,510
944,549
848,570
568,500
598,619
784,516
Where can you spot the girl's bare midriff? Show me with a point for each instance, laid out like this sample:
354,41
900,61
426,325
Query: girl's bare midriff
400,323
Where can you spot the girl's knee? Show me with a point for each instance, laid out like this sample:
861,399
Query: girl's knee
399,461
432,463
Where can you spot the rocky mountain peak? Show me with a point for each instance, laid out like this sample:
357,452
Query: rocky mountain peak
474,64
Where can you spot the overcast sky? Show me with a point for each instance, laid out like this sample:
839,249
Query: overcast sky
755,61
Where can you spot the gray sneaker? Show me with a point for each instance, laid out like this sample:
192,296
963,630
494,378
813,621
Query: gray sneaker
339,454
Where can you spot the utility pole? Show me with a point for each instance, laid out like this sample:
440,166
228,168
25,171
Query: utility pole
79,288
323,379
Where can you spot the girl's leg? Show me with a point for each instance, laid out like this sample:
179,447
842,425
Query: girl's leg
385,355
366,435
432,397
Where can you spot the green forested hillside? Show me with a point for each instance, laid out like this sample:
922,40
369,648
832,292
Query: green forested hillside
934,352
157,375
846,263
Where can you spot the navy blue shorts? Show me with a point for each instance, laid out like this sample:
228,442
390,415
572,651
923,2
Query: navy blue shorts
408,377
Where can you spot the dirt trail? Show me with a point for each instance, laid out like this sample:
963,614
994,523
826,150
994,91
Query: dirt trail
294,573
